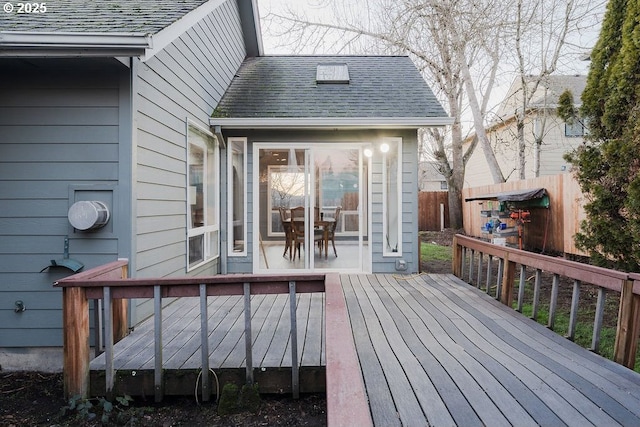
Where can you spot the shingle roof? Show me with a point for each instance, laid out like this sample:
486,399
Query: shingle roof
285,87
100,16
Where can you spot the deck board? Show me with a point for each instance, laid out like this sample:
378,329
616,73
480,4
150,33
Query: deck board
432,350
576,386
477,360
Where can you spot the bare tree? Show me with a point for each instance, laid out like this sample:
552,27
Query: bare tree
544,34
456,45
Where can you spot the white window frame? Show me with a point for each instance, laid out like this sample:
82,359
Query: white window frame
231,142
394,144
211,227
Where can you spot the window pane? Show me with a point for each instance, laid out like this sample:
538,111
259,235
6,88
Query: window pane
196,183
203,195
237,195
211,187
196,249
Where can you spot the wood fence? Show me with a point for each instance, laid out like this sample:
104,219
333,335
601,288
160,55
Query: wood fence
552,229
433,210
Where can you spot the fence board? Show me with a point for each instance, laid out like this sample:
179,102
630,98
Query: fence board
429,210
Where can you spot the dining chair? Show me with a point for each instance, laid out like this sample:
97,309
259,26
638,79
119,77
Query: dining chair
298,231
332,229
286,226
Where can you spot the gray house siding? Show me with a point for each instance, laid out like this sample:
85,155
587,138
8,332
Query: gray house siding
59,143
183,82
381,264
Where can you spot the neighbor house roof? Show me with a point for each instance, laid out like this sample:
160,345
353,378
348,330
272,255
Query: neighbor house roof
282,91
546,95
78,27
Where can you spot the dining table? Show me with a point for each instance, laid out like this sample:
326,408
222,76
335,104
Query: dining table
325,224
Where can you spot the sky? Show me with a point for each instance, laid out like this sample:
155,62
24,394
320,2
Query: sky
321,8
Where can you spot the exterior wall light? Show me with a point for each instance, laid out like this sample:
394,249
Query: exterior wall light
384,147
368,152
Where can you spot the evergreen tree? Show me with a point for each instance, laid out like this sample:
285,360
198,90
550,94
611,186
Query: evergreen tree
608,165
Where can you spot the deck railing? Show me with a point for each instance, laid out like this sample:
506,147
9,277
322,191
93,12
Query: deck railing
346,397
480,273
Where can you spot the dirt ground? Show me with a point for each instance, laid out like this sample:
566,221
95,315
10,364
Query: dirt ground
35,399
442,238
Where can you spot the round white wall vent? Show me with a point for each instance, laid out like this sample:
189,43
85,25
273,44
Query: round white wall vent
88,215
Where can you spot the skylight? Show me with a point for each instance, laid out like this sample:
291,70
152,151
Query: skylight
332,73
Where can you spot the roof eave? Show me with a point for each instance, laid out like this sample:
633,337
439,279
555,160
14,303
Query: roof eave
330,122
16,43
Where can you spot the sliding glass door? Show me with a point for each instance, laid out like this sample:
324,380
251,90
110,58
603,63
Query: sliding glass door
311,208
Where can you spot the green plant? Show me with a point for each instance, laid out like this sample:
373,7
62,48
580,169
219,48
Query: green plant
584,330
234,400
91,409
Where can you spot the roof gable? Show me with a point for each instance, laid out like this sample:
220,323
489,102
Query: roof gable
283,87
110,27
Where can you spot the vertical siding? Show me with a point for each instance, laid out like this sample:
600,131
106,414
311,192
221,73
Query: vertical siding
184,81
59,132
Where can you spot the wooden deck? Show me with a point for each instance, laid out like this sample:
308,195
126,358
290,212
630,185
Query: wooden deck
432,351
134,355
435,351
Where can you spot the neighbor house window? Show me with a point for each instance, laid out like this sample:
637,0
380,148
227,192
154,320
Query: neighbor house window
392,196
575,129
237,196
203,228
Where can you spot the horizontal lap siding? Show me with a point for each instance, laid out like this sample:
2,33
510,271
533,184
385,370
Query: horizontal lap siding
409,204
59,128
185,80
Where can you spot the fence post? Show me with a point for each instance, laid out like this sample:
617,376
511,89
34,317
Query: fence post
75,317
627,329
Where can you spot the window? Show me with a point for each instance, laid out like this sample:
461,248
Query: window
203,228
237,196
444,185
575,129
332,74
392,196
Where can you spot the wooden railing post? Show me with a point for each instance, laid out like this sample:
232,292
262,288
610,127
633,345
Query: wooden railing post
457,258
75,318
121,313
508,276
627,329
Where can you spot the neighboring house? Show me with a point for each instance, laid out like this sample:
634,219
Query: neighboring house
166,115
541,120
430,179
